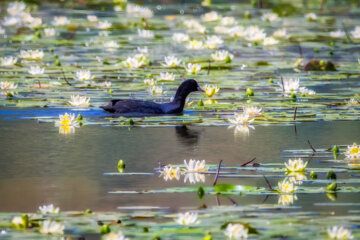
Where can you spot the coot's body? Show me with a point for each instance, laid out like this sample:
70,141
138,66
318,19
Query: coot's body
145,107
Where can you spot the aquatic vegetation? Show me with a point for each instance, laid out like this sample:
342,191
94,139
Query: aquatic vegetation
241,119
51,227
8,61
115,236
353,152
296,165
211,90
311,16
289,85
60,21
339,232
83,75
36,70
193,68
286,186
180,37
170,173
194,166
188,218
79,101
166,76
252,111
222,55
31,54
236,231
49,209
155,90
171,61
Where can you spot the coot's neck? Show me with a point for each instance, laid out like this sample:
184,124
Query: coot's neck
180,96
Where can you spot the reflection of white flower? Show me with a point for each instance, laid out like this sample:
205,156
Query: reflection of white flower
290,85
83,75
339,232
171,61
60,21
242,129
51,227
222,55
236,231
241,119
356,32
167,76
296,165
188,218
281,33
287,199
49,209
195,44
31,54
192,68
194,178
170,173
270,41
210,16
270,17
286,186
79,101
180,37
296,177
337,34
195,166
311,16
145,33
353,152
8,61
36,70
155,90
305,91
213,42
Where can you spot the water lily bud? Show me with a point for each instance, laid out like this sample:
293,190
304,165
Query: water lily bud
88,211
9,95
121,164
20,222
247,15
149,75
228,59
331,195
200,192
200,103
249,101
316,50
57,63
105,229
331,187
56,56
51,50
270,81
322,62
293,96
79,117
249,92
335,149
331,175
331,52
208,237
156,237
313,175
332,44
110,91
145,229
131,121
218,116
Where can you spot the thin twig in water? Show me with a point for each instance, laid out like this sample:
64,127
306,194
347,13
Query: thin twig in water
244,164
217,173
311,146
282,84
39,83
233,201
300,50
217,200
65,78
295,129
346,31
323,2
295,113
208,68
266,198
268,183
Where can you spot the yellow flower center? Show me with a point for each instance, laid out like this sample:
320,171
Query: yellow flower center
354,150
65,121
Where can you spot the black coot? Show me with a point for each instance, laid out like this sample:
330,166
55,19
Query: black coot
145,107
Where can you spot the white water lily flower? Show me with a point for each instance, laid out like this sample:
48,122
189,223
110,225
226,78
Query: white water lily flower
83,75
111,45
213,42
155,90
290,85
211,16
36,70
68,119
79,101
6,86
170,173
49,32
305,91
195,26
195,44
268,41
311,16
270,17
252,111
60,21
337,34
286,186
226,21
49,209
145,33
237,31
281,33
353,152
254,34
105,84
236,231
296,165
31,22
339,232
150,82
211,90
167,76
92,18
194,178
138,11
180,37
222,55
241,119
8,61
171,61
192,68
115,236
356,32
188,218
15,8
133,62
31,54
353,101
287,199
51,227
195,166
103,25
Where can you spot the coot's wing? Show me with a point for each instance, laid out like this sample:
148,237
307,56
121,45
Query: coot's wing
132,106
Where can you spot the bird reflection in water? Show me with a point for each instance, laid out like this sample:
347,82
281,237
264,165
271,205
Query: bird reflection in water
187,136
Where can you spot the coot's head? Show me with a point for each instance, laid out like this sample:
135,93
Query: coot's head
190,85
